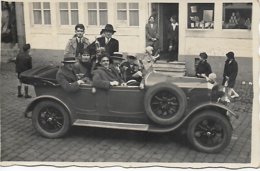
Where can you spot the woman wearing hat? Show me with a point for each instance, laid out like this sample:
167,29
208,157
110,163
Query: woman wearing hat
105,76
66,76
230,74
203,69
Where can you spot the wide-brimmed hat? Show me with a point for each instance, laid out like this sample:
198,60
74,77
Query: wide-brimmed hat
117,55
69,59
203,55
109,28
230,55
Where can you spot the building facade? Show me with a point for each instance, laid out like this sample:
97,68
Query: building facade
211,26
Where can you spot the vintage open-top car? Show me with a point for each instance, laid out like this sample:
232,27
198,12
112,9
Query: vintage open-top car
164,104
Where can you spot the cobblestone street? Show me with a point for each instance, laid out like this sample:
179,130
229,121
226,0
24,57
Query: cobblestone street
20,141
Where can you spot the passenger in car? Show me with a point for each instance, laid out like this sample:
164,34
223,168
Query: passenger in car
130,69
148,59
83,67
66,75
105,76
203,69
116,60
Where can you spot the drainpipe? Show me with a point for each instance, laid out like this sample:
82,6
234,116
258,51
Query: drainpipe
20,24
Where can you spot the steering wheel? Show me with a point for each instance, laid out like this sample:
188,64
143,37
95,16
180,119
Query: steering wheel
132,83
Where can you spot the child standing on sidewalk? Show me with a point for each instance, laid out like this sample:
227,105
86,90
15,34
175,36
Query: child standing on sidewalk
23,62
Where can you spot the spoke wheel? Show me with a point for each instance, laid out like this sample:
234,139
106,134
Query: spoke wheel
50,119
209,132
165,103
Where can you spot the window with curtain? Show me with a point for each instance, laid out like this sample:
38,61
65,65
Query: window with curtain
97,13
128,14
69,14
237,16
41,13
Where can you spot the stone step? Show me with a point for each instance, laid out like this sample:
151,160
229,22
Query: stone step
168,66
173,62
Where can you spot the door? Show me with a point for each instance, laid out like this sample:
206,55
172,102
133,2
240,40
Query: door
164,11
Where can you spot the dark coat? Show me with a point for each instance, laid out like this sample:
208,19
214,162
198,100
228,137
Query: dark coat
173,36
102,77
23,62
84,69
111,47
203,68
230,70
128,70
67,79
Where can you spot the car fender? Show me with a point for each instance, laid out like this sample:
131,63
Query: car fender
206,106
38,99
216,106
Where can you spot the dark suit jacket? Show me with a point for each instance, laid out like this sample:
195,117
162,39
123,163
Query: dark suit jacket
230,70
151,33
172,35
102,77
203,68
23,62
111,47
67,79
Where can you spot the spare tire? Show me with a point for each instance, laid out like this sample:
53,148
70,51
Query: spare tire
165,103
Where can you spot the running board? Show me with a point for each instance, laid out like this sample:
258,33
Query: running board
114,125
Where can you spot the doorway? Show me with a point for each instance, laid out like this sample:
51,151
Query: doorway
163,12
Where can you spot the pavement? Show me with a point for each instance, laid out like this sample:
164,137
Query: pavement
20,141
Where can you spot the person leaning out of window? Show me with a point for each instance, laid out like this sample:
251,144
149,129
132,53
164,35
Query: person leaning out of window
203,69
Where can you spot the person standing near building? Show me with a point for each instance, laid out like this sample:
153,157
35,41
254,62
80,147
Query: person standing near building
203,69
230,74
78,43
152,34
110,44
23,62
173,39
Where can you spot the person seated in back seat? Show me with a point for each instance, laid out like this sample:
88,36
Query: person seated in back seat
66,76
131,69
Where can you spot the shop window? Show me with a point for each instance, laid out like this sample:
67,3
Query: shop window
41,13
200,15
97,13
237,15
128,14
69,13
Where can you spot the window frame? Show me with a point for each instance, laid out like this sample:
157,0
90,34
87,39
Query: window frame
42,10
126,23
189,4
97,10
69,9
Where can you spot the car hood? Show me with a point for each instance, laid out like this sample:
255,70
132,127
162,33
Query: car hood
153,78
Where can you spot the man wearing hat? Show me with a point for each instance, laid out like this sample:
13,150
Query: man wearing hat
76,45
66,76
203,69
130,69
110,44
23,62
116,60
230,74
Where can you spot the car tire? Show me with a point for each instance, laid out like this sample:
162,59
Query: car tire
50,119
209,131
165,103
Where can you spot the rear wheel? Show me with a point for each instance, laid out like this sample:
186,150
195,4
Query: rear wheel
209,132
50,119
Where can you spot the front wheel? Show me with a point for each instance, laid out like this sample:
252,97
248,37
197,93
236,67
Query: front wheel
209,132
50,119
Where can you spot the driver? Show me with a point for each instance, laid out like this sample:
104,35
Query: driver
106,76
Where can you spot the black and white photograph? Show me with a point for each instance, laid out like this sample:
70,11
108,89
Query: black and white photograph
171,83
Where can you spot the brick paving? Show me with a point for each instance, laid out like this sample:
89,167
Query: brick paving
20,141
